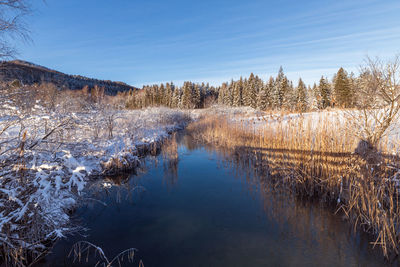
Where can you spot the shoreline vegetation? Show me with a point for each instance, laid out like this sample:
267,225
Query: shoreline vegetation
342,151
50,152
313,158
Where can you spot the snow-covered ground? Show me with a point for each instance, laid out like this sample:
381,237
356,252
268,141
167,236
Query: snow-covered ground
47,158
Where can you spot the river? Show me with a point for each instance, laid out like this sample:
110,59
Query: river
199,209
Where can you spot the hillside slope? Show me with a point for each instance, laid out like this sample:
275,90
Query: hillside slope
29,73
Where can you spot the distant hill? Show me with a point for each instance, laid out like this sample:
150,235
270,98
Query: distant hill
29,73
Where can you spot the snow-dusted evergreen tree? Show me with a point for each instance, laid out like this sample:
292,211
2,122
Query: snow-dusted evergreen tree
162,96
325,93
229,94
269,91
262,100
342,88
186,100
221,94
281,87
176,98
196,96
301,96
289,97
314,97
237,93
353,89
250,92
168,95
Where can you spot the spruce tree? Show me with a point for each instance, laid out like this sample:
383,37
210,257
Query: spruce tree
168,95
250,93
229,94
237,93
175,98
301,96
262,101
187,95
221,94
269,91
315,97
343,94
162,95
196,97
280,89
324,89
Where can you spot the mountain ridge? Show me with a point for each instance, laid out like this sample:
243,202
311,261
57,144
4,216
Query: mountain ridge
30,73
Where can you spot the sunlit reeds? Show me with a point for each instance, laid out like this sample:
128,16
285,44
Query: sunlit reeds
319,158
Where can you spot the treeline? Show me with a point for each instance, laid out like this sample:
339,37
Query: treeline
276,93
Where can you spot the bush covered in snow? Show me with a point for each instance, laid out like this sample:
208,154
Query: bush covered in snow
48,155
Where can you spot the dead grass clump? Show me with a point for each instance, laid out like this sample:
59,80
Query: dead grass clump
81,251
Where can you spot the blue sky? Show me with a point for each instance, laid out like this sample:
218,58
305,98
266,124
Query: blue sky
145,42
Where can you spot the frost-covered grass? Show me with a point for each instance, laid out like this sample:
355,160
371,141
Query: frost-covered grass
47,156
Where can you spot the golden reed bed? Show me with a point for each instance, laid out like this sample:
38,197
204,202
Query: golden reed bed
325,162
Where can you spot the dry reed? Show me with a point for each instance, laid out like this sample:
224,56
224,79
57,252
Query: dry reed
319,160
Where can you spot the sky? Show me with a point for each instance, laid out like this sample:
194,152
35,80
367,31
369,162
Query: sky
146,41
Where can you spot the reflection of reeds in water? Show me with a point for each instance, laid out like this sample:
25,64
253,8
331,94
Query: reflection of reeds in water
170,160
317,163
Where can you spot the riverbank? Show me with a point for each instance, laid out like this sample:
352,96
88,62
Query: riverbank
47,158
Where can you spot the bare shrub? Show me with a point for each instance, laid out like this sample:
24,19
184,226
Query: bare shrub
379,100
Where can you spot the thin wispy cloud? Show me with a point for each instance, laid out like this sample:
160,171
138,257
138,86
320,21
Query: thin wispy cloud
144,42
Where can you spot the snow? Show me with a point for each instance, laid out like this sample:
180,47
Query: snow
42,182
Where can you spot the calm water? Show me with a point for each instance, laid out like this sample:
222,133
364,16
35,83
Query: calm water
201,212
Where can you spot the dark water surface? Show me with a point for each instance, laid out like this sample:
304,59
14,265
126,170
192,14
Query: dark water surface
201,212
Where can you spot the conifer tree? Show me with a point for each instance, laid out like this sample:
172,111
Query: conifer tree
168,95
196,97
342,88
162,100
280,89
290,97
221,94
187,95
324,89
175,98
262,101
237,93
314,97
250,92
301,96
269,91
229,94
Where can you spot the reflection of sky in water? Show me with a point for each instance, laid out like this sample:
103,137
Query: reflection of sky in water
201,214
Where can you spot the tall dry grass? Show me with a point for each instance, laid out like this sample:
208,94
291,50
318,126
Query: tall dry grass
319,160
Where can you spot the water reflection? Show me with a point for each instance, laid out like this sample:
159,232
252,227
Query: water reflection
170,161
222,211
